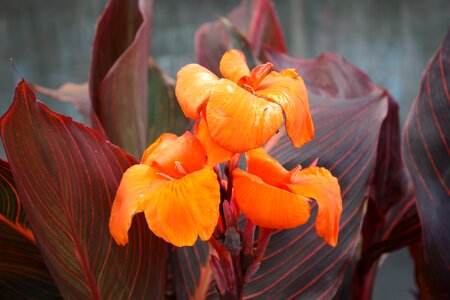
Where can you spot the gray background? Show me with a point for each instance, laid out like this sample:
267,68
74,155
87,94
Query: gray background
392,41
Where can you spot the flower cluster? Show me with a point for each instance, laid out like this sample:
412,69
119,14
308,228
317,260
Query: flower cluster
178,184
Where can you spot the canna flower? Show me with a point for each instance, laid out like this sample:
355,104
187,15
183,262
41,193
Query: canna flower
174,187
272,197
246,108
216,154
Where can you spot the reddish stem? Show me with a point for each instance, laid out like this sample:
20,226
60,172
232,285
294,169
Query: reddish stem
263,241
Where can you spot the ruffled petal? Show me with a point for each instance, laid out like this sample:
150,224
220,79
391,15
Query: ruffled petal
130,199
261,164
288,90
169,149
238,120
233,66
214,152
268,206
319,184
182,209
193,87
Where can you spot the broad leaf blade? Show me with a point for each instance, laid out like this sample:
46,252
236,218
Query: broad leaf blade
67,176
118,79
10,208
348,122
164,112
23,273
391,221
264,29
427,155
191,272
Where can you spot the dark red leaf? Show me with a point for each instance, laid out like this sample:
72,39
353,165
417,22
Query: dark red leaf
23,273
164,112
391,221
348,118
327,75
398,228
191,272
255,20
118,79
10,208
264,29
66,176
427,155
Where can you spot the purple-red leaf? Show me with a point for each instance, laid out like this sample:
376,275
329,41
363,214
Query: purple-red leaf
191,272
23,273
391,221
164,112
426,148
256,20
348,112
66,176
118,79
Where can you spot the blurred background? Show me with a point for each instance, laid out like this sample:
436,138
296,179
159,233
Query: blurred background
391,40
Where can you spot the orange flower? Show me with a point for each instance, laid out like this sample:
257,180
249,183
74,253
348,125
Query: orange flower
215,153
245,109
272,197
174,187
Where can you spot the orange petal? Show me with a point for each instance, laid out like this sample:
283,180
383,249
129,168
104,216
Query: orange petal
193,87
130,198
167,150
288,90
268,206
267,168
182,209
233,65
147,156
259,72
238,120
318,183
214,152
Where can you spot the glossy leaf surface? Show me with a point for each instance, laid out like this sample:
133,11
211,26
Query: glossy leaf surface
66,176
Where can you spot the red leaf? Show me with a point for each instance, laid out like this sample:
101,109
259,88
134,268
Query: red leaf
23,273
67,176
391,221
399,227
348,113
164,112
427,155
191,272
118,79
264,29
256,20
